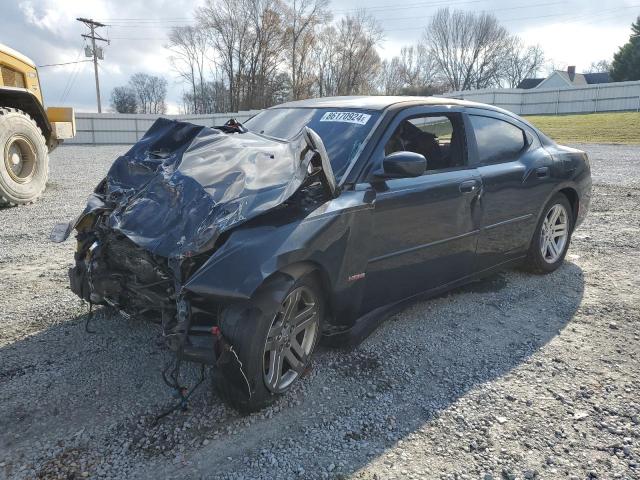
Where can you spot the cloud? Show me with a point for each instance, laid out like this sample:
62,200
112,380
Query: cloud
57,16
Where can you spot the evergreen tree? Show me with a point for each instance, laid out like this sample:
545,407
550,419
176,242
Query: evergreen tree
626,63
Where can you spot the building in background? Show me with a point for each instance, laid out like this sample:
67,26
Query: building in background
565,79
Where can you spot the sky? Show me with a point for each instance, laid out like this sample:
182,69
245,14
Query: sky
575,32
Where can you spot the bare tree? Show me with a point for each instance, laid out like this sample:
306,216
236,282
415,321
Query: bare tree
265,52
521,62
600,66
151,92
418,68
468,47
324,59
226,25
303,18
391,80
246,38
188,46
212,98
355,60
413,72
123,100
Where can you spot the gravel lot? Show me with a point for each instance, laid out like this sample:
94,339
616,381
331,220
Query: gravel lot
517,376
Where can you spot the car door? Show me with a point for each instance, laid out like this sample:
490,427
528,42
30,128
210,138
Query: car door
516,178
425,228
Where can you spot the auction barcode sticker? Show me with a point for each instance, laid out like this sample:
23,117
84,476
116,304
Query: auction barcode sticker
346,117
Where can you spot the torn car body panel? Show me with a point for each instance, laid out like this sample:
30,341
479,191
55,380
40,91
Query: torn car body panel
202,217
181,186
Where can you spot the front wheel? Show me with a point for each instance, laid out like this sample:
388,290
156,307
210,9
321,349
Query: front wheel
551,239
275,347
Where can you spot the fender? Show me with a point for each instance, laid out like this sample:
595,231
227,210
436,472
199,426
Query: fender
582,187
332,238
26,101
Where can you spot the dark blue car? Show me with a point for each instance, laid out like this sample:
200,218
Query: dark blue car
318,218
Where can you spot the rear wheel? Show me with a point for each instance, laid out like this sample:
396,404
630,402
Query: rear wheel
552,236
24,167
274,348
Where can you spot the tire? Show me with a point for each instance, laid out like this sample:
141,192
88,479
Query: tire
536,261
248,329
24,158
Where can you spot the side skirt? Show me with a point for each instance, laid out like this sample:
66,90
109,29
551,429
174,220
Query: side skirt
368,323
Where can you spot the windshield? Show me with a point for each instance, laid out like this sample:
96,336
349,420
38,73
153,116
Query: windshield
342,130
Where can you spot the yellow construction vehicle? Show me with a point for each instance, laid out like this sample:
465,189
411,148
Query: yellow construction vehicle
28,132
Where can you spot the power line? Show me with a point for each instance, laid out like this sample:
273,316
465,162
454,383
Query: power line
66,85
71,80
562,16
572,18
59,64
492,10
159,19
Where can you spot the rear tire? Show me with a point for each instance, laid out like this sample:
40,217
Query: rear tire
552,236
257,337
24,158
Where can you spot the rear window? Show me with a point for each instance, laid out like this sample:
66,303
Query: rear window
342,130
498,141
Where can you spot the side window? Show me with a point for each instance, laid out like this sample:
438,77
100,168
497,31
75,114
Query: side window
439,138
498,141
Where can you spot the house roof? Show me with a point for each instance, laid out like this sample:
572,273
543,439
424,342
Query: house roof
600,77
528,83
579,79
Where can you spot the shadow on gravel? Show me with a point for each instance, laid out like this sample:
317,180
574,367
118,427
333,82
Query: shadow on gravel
475,334
62,380
59,384
416,365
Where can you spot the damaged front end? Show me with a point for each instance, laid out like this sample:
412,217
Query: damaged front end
166,206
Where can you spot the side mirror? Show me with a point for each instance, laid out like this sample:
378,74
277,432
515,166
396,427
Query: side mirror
402,165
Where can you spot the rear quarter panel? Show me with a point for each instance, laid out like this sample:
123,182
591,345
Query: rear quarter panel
577,175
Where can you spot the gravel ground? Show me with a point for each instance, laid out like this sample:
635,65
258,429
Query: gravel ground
517,376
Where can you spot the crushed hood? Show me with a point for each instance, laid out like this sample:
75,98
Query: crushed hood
182,185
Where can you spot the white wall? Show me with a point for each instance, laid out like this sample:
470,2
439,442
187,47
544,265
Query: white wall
115,128
118,128
605,97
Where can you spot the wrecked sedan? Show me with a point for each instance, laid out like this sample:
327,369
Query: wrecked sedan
317,218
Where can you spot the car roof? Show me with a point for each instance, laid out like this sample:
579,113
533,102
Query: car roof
380,102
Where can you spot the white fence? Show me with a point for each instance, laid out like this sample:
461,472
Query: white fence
117,128
605,97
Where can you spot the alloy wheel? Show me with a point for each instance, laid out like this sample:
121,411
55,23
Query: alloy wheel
554,233
291,339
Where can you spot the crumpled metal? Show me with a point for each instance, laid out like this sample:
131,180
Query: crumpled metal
182,185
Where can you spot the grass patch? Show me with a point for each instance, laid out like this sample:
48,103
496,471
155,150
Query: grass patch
619,127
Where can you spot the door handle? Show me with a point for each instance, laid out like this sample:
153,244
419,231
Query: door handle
542,172
469,186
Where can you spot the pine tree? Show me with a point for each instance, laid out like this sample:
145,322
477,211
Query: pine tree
626,63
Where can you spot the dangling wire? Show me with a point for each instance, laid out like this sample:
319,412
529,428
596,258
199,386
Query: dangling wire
180,392
89,318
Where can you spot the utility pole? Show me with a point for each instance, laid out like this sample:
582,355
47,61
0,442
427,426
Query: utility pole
92,25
